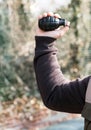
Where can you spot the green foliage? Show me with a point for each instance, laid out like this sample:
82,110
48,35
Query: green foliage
23,18
4,38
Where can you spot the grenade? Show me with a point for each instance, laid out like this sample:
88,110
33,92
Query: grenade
50,23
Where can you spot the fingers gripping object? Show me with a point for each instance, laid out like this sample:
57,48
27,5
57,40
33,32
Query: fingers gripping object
50,23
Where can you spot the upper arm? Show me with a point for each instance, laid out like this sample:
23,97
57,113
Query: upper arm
68,97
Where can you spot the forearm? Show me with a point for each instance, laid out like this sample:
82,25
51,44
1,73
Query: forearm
47,69
57,92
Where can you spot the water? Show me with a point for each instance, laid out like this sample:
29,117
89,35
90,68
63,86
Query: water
74,124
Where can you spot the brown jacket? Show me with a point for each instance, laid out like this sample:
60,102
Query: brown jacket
57,92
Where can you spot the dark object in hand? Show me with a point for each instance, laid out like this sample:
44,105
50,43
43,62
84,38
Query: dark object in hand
50,23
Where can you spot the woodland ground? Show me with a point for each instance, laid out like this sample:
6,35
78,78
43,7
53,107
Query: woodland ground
26,114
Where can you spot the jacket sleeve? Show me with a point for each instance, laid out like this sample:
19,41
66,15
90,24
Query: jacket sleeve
58,93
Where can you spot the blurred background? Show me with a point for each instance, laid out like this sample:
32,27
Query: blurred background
19,97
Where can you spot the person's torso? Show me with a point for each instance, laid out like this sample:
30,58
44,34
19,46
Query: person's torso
86,113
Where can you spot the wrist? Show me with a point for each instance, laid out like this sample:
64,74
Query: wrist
44,39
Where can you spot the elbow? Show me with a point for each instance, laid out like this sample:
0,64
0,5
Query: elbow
52,100
49,105
52,103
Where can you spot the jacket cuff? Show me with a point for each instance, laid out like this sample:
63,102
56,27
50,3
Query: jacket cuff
44,39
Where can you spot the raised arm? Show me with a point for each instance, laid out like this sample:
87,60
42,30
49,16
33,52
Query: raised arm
58,93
